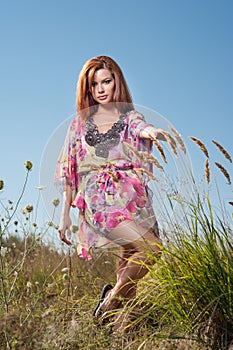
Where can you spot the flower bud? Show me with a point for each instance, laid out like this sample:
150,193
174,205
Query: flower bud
29,208
56,202
74,228
28,165
1,184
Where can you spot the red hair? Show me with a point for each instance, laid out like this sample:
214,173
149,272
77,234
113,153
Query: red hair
85,103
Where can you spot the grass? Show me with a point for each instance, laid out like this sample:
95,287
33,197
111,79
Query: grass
184,302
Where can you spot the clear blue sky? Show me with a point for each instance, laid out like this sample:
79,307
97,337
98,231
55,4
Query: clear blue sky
176,56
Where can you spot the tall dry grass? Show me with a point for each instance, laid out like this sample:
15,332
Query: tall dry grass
185,301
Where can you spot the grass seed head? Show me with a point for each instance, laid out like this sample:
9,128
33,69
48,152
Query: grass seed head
224,152
178,139
200,145
224,171
152,159
207,171
171,142
160,149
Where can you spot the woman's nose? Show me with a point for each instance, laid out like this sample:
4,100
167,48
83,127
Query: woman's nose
100,87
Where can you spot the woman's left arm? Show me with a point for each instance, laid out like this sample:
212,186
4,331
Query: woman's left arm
150,132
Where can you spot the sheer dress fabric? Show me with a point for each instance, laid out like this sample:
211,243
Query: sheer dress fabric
107,191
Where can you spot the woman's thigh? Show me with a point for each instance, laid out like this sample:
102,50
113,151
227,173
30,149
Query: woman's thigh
133,237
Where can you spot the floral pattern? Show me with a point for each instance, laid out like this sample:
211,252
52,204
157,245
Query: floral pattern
106,191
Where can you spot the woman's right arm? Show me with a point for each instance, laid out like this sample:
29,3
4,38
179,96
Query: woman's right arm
65,221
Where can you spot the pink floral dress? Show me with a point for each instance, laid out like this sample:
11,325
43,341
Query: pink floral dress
107,191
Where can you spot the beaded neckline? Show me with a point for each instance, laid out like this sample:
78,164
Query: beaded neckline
103,142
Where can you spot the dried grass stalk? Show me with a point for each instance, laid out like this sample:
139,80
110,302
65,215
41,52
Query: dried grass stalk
146,156
171,142
178,138
152,159
207,171
201,145
224,171
148,173
224,152
160,149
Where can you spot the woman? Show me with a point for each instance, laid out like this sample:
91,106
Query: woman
103,175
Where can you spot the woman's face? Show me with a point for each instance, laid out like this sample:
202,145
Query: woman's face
103,86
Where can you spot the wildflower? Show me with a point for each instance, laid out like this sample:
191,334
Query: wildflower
50,223
10,202
51,285
29,284
1,184
56,202
65,269
34,224
15,223
3,251
28,165
40,188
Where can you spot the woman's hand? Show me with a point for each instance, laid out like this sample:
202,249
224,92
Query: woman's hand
65,221
150,132
64,228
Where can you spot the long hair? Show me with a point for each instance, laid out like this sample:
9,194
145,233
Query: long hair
85,103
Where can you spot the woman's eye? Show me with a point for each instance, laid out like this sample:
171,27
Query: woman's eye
93,84
108,81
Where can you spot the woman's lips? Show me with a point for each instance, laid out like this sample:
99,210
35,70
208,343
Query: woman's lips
102,97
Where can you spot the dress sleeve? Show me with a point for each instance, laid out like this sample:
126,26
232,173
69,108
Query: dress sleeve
66,171
135,123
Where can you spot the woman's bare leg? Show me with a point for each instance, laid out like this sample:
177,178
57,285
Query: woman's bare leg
130,270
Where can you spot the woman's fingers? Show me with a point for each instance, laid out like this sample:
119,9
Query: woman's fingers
62,235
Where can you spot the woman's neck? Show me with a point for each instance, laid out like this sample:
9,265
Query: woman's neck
108,109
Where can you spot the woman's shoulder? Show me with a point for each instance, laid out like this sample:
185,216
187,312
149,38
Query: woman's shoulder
134,115
76,125
75,128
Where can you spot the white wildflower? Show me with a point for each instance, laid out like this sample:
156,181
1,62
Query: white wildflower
65,269
29,284
40,188
3,251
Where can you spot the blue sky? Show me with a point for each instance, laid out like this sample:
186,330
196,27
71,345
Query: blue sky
176,56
